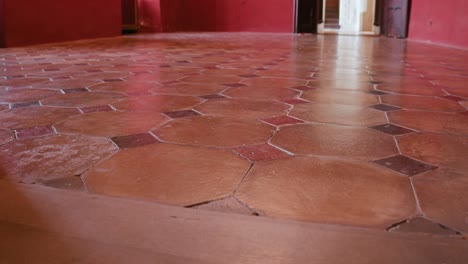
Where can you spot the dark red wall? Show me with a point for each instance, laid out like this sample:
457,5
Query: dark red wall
443,22
218,15
30,22
149,12
2,24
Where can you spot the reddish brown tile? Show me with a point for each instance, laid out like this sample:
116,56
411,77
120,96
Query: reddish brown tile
415,89
75,90
123,87
340,97
422,103
182,113
242,108
158,103
173,174
212,96
392,129
274,82
294,101
211,79
248,76
405,165
261,152
328,191
25,104
228,205
72,183
34,131
6,136
189,89
423,226
261,93
234,84
83,100
376,92
101,108
67,84
338,141
384,107
133,141
453,98
282,120
25,95
34,116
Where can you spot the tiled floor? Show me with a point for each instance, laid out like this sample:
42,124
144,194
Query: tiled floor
354,131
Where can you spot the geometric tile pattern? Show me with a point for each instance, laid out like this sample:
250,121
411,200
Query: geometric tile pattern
405,165
391,129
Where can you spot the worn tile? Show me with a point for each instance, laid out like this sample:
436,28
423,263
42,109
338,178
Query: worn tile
34,131
111,124
337,141
25,104
282,120
173,174
132,141
67,84
34,116
100,108
384,107
242,108
437,149
338,114
442,197
294,101
6,136
422,225
83,100
328,191
215,131
422,103
50,157
158,103
392,129
405,165
340,97
25,95
376,92
341,84
182,113
261,152
72,183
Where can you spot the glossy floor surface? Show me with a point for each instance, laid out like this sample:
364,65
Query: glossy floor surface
354,131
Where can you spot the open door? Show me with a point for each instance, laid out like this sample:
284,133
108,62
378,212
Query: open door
308,15
395,18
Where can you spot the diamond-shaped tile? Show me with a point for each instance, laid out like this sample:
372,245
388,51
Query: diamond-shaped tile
182,113
376,92
384,107
34,131
113,80
261,152
75,90
234,84
282,120
212,96
423,226
391,129
133,141
405,165
101,108
73,183
24,104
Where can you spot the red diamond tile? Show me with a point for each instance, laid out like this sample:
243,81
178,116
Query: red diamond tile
101,108
113,80
234,84
376,92
385,108
464,113
132,141
261,152
405,165
25,104
75,90
34,131
282,120
183,113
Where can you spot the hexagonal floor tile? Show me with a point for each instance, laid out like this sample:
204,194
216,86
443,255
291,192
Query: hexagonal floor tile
158,103
338,141
67,84
271,82
243,108
261,92
442,197
156,77
342,85
190,89
85,99
111,124
212,79
422,103
458,91
173,174
328,191
22,82
340,97
123,87
6,136
34,116
23,95
437,149
431,121
414,89
339,114
51,157
215,131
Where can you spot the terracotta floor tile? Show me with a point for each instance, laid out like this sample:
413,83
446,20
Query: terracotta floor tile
75,90
34,131
211,79
228,205
338,114
414,89
376,92
72,183
423,226
340,97
212,96
189,89
132,141
25,95
100,108
172,174
215,131
25,104
274,82
158,103
458,91
405,165
22,82
6,136
384,107
51,157
342,84
422,103
111,124
34,116
261,93
82,99
431,121
102,75
436,149
328,191
242,108
339,141
123,87
282,120
67,84
441,194
261,152
391,129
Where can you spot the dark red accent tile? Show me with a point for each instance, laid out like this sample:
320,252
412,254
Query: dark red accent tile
464,113
261,69
81,64
183,113
72,183
391,129
282,120
61,78
303,88
101,108
384,107
375,82
376,92
49,70
248,75
454,98
184,61
261,152
113,80
24,104
132,141
234,84
15,77
75,90
213,96
93,71
405,165
34,131
294,101
164,66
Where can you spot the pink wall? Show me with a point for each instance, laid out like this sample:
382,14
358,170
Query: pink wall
30,22
443,22
217,15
